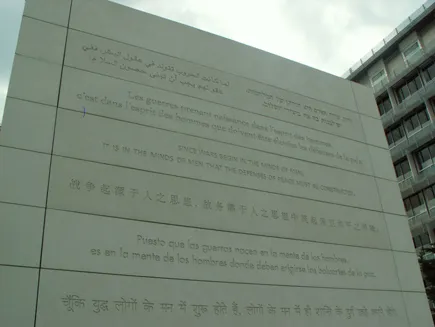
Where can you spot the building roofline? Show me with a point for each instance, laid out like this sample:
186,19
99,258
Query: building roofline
399,32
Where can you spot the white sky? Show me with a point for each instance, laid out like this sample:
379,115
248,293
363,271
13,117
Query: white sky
328,35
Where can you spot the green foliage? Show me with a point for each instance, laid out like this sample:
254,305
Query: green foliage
426,259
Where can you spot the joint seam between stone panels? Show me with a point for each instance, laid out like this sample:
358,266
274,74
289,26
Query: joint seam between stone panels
222,71
227,143
44,21
50,165
220,282
31,101
22,204
224,105
385,221
136,220
218,183
17,54
23,149
18,266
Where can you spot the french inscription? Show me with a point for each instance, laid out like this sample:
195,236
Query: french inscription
289,138
129,62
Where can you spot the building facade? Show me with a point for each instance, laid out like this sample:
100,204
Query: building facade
401,71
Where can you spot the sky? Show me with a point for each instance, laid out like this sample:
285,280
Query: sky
328,35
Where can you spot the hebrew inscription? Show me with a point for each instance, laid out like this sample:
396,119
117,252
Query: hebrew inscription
139,65
151,106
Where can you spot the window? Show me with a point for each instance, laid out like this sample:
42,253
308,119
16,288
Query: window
408,88
403,170
379,77
412,53
429,72
415,204
384,105
417,120
425,156
429,194
395,135
421,240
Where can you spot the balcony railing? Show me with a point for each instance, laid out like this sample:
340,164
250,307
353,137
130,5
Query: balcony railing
416,15
396,75
416,183
409,104
412,142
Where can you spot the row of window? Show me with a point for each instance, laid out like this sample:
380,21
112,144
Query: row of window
421,240
408,126
424,158
418,203
407,88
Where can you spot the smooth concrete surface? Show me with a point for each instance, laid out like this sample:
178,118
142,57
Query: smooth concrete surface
397,225
41,40
55,12
152,173
28,125
23,176
25,83
18,296
20,235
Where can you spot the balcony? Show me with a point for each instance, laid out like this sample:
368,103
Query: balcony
417,60
409,104
414,141
417,222
390,39
416,183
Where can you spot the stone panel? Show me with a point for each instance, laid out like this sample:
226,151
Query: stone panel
28,125
365,100
103,140
390,196
41,40
398,225
129,63
189,303
20,234
417,308
194,45
374,131
23,176
153,250
18,296
408,271
52,11
87,187
154,107
382,163
26,83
